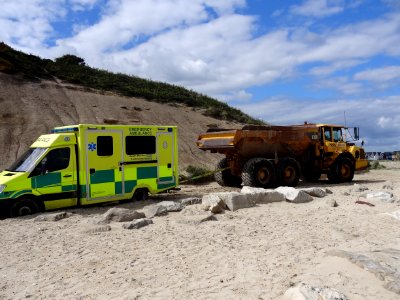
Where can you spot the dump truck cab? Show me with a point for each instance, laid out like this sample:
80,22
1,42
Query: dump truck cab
338,141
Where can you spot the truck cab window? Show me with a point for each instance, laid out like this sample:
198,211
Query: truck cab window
337,135
55,160
327,134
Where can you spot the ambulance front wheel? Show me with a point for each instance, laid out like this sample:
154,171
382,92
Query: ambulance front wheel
24,207
141,194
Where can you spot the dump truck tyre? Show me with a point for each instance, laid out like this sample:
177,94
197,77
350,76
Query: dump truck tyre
342,171
345,170
289,172
225,177
259,172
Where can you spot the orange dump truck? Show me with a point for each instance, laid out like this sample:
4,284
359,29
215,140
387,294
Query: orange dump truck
268,156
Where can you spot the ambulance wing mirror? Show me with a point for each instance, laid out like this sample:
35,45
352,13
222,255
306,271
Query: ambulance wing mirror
356,133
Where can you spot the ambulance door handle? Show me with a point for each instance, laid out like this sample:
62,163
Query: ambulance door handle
65,176
169,166
91,171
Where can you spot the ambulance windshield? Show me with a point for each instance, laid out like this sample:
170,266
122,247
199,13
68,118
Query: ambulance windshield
27,161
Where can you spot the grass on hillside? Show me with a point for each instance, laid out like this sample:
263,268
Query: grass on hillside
73,69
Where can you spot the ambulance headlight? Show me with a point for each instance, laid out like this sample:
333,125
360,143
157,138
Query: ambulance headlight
2,187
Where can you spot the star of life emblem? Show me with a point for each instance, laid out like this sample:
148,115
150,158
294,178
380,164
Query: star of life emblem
92,147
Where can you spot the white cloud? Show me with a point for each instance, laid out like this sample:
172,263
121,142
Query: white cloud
339,83
27,23
385,74
126,21
385,122
220,60
237,96
318,8
225,6
358,41
79,5
330,68
218,53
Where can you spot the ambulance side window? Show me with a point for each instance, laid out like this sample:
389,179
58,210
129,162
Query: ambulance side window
105,146
140,145
55,160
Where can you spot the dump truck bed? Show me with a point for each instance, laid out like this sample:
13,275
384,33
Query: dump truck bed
260,140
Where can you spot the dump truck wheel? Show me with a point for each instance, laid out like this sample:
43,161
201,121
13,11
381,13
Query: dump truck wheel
140,194
289,172
225,177
23,207
259,172
342,171
345,170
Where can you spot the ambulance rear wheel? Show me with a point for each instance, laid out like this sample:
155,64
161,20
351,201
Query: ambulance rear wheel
140,194
23,207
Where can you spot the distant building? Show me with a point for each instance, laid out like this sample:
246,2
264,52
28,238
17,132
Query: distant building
395,155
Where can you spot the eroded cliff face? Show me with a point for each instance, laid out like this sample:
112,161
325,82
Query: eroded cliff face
31,108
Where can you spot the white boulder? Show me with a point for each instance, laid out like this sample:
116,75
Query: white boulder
315,192
213,203
293,195
382,196
260,195
235,201
118,214
136,224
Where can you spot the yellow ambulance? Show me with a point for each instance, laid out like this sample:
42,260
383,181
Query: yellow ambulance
87,164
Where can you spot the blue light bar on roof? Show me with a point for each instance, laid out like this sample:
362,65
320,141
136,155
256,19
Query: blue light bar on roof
67,129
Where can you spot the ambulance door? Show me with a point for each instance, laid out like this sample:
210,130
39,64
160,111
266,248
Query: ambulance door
165,157
104,164
55,178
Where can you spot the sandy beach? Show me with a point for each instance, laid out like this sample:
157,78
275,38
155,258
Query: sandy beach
252,253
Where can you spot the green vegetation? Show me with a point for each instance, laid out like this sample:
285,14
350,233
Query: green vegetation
73,69
375,165
197,175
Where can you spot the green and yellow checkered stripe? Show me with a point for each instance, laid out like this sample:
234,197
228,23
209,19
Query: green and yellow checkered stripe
136,176
142,176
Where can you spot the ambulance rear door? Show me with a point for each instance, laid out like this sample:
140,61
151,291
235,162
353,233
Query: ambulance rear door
165,158
104,164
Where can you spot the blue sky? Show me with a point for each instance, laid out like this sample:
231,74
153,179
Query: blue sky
285,62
